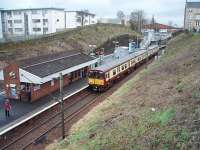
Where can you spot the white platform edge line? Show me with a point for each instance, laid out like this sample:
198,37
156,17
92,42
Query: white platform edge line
39,112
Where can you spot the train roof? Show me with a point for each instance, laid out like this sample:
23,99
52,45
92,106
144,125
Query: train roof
110,61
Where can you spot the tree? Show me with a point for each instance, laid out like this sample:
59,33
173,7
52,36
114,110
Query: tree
81,15
121,16
137,20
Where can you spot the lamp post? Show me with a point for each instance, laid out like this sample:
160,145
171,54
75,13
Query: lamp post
116,43
62,106
92,49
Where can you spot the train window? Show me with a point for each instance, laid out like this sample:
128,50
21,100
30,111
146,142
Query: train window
96,74
114,72
125,66
118,69
107,75
122,67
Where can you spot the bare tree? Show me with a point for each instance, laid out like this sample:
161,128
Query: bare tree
137,20
121,16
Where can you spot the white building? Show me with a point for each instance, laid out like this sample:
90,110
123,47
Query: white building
39,21
79,18
32,21
192,16
1,32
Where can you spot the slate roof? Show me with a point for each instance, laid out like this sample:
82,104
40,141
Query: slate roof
158,26
43,66
193,4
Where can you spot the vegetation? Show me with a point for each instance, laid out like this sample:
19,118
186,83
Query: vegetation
77,39
156,109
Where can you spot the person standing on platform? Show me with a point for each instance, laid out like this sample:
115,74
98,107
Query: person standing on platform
7,107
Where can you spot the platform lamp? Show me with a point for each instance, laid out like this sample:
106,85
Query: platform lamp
116,43
92,48
62,106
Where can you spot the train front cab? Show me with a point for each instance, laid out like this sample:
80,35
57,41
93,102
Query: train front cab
96,80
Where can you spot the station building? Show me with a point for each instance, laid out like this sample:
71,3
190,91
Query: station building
32,79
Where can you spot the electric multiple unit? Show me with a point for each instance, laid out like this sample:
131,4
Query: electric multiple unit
103,77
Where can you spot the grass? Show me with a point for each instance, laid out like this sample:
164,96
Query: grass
126,119
77,39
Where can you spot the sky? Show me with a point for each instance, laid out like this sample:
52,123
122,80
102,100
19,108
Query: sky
164,11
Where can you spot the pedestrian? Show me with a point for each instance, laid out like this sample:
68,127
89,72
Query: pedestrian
7,107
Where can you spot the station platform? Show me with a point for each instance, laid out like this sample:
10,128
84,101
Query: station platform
23,111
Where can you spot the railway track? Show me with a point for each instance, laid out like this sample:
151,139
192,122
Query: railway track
45,121
43,129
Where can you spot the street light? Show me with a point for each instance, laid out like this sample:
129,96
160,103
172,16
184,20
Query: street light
116,43
91,52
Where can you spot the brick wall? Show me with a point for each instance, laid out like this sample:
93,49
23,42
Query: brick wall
11,77
47,88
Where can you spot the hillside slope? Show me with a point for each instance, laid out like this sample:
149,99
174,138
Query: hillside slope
157,109
77,39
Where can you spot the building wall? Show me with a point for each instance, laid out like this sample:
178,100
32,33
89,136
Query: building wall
192,18
1,32
11,77
41,21
47,88
35,22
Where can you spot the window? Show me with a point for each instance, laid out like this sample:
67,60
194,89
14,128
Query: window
125,66
118,69
52,83
10,30
10,23
17,21
122,67
36,87
44,12
36,29
36,20
45,21
9,13
45,30
107,75
96,75
114,72
17,13
18,29
34,12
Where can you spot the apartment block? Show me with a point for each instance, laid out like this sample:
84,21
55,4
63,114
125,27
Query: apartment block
79,18
32,21
40,21
192,16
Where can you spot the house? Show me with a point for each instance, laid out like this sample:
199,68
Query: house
192,16
159,28
75,19
32,79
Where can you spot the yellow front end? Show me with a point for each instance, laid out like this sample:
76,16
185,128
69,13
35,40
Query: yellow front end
97,82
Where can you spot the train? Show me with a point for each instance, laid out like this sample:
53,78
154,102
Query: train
112,68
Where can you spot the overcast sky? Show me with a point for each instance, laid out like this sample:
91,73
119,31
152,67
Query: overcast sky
163,10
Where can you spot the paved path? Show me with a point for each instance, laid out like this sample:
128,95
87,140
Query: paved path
21,110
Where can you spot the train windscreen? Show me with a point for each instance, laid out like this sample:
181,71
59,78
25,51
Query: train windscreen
96,75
